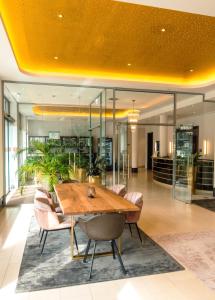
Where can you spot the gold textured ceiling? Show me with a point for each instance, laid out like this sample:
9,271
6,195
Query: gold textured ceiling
99,38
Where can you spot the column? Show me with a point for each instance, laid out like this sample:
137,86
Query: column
163,136
1,147
134,150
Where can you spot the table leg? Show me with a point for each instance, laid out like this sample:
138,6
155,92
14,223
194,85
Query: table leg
120,244
72,237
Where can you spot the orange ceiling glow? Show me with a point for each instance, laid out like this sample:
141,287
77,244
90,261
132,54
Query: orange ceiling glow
110,40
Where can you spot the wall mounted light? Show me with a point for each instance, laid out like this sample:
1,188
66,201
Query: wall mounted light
205,147
170,147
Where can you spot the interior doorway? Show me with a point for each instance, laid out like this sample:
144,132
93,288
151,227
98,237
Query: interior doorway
149,150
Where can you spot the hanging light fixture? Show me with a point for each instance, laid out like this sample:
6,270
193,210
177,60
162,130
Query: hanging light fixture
133,116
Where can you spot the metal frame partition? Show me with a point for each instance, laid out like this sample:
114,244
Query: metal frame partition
103,98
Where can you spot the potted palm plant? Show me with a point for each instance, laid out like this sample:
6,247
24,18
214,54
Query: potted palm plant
48,163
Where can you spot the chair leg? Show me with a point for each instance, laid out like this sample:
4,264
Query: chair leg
75,238
93,254
41,237
46,233
130,228
112,246
119,257
138,231
86,252
40,231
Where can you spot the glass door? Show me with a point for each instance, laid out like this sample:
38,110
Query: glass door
98,142
122,155
183,169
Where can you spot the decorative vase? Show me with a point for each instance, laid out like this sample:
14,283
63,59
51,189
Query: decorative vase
91,192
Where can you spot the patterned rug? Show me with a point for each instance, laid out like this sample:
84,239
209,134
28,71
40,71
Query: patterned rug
195,251
209,203
55,269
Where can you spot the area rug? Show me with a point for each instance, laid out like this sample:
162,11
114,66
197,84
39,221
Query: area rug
208,204
54,269
196,251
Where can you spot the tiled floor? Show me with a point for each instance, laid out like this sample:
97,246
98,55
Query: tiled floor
161,215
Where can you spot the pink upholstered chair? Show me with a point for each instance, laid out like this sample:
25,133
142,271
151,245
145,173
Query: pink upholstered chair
44,194
119,189
50,221
133,217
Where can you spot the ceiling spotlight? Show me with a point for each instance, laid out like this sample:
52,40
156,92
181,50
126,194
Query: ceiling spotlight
60,16
56,57
163,29
128,64
191,70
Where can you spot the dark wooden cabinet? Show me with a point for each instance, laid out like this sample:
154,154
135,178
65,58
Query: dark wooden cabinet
205,174
163,170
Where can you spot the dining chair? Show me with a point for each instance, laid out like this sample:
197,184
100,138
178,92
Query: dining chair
43,204
133,217
106,227
118,189
44,194
50,221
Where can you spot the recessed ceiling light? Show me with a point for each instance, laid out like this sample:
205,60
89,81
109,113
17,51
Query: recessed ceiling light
128,64
191,70
163,29
60,16
55,57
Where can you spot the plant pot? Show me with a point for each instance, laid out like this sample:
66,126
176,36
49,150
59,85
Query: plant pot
81,174
95,179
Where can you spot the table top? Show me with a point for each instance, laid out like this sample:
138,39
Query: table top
73,200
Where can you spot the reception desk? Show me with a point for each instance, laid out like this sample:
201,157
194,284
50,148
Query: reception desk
163,172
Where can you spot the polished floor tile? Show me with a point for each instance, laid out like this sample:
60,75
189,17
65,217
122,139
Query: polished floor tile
161,215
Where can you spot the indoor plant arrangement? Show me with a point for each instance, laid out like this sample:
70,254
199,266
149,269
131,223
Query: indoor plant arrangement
48,163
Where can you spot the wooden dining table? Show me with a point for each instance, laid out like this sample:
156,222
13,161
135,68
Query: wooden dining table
73,200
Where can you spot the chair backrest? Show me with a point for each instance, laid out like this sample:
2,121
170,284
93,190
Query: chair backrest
105,227
41,200
119,189
44,191
137,199
46,220
43,204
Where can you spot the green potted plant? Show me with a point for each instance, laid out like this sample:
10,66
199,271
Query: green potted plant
48,163
95,170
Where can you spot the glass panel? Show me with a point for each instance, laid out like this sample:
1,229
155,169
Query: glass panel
123,156
184,163
6,136
99,147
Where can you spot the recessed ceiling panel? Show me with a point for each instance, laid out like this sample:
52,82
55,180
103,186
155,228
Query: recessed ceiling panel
110,39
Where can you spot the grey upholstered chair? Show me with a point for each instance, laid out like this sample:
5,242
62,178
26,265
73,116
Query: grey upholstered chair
106,227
